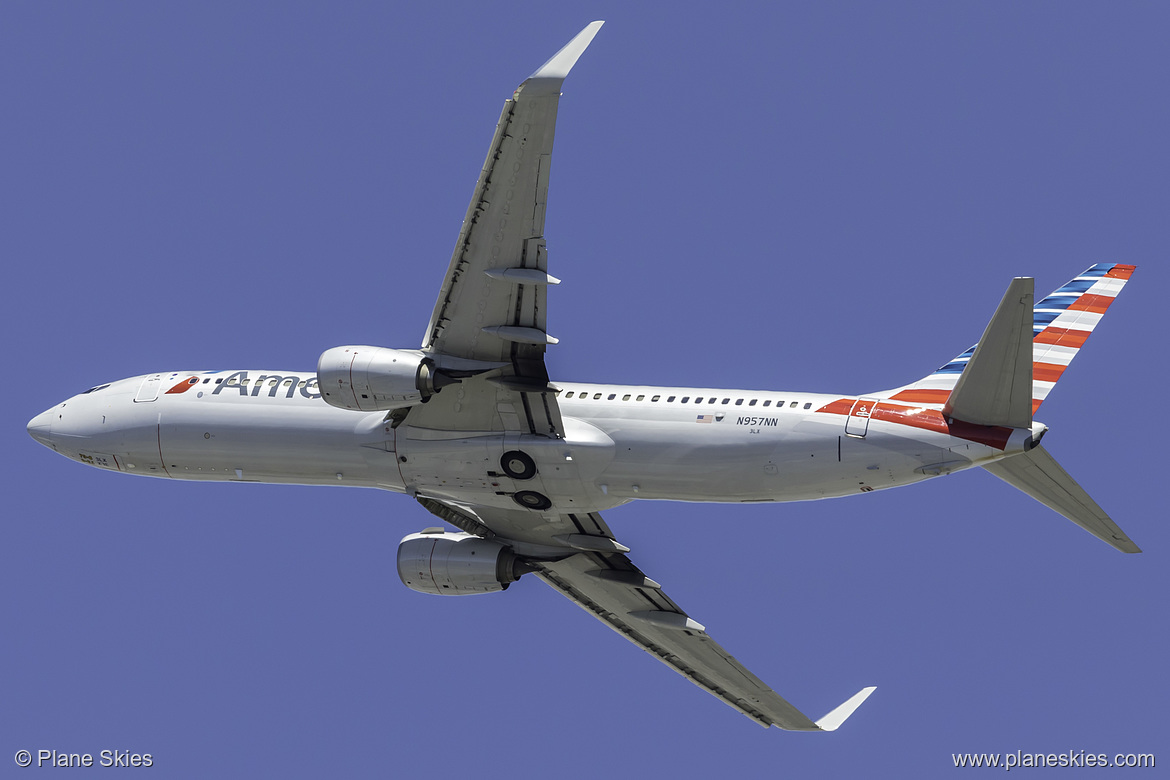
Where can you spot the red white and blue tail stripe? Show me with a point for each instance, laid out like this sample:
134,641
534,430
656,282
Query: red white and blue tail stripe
1061,323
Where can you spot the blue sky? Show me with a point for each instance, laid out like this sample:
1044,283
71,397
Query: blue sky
826,197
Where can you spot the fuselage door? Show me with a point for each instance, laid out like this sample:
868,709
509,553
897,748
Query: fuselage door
857,423
148,390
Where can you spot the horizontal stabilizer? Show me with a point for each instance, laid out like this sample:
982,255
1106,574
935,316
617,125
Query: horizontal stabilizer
1037,473
838,716
995,387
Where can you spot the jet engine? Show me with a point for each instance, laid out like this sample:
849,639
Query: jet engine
372,379
456,564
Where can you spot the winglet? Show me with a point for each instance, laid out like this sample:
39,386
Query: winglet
548,77
838,716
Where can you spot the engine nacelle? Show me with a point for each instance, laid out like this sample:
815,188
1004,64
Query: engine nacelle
372,379
456,564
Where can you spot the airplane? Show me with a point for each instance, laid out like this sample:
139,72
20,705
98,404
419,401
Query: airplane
471,426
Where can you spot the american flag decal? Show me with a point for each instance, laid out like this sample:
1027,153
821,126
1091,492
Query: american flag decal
705,418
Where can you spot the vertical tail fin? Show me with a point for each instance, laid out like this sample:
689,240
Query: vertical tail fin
1061,323
996,386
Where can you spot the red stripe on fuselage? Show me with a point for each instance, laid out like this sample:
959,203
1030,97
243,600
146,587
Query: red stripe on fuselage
840,406
928,420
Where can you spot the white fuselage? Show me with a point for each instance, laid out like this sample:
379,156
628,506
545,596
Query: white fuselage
621,442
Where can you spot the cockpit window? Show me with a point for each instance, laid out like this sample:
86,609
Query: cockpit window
95,389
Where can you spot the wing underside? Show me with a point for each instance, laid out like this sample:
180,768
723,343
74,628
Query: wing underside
491,308
612,589
578,556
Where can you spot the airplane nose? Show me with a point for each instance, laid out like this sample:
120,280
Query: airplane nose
40,428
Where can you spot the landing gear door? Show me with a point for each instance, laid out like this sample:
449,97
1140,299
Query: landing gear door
857,423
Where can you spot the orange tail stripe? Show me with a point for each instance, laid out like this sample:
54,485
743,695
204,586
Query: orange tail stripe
1063,337
1097,304
1121,272
1046,372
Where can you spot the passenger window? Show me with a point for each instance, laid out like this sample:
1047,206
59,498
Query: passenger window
640,398
219,380
655,398
711,400
288,383
302,383
726,401
808,405
670,400
752,402
206,380
739,402
612,396
569,394
597,396
685,398
625,397
768,402
792,405
698,399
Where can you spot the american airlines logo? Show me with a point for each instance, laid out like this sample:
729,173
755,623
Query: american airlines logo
273,383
